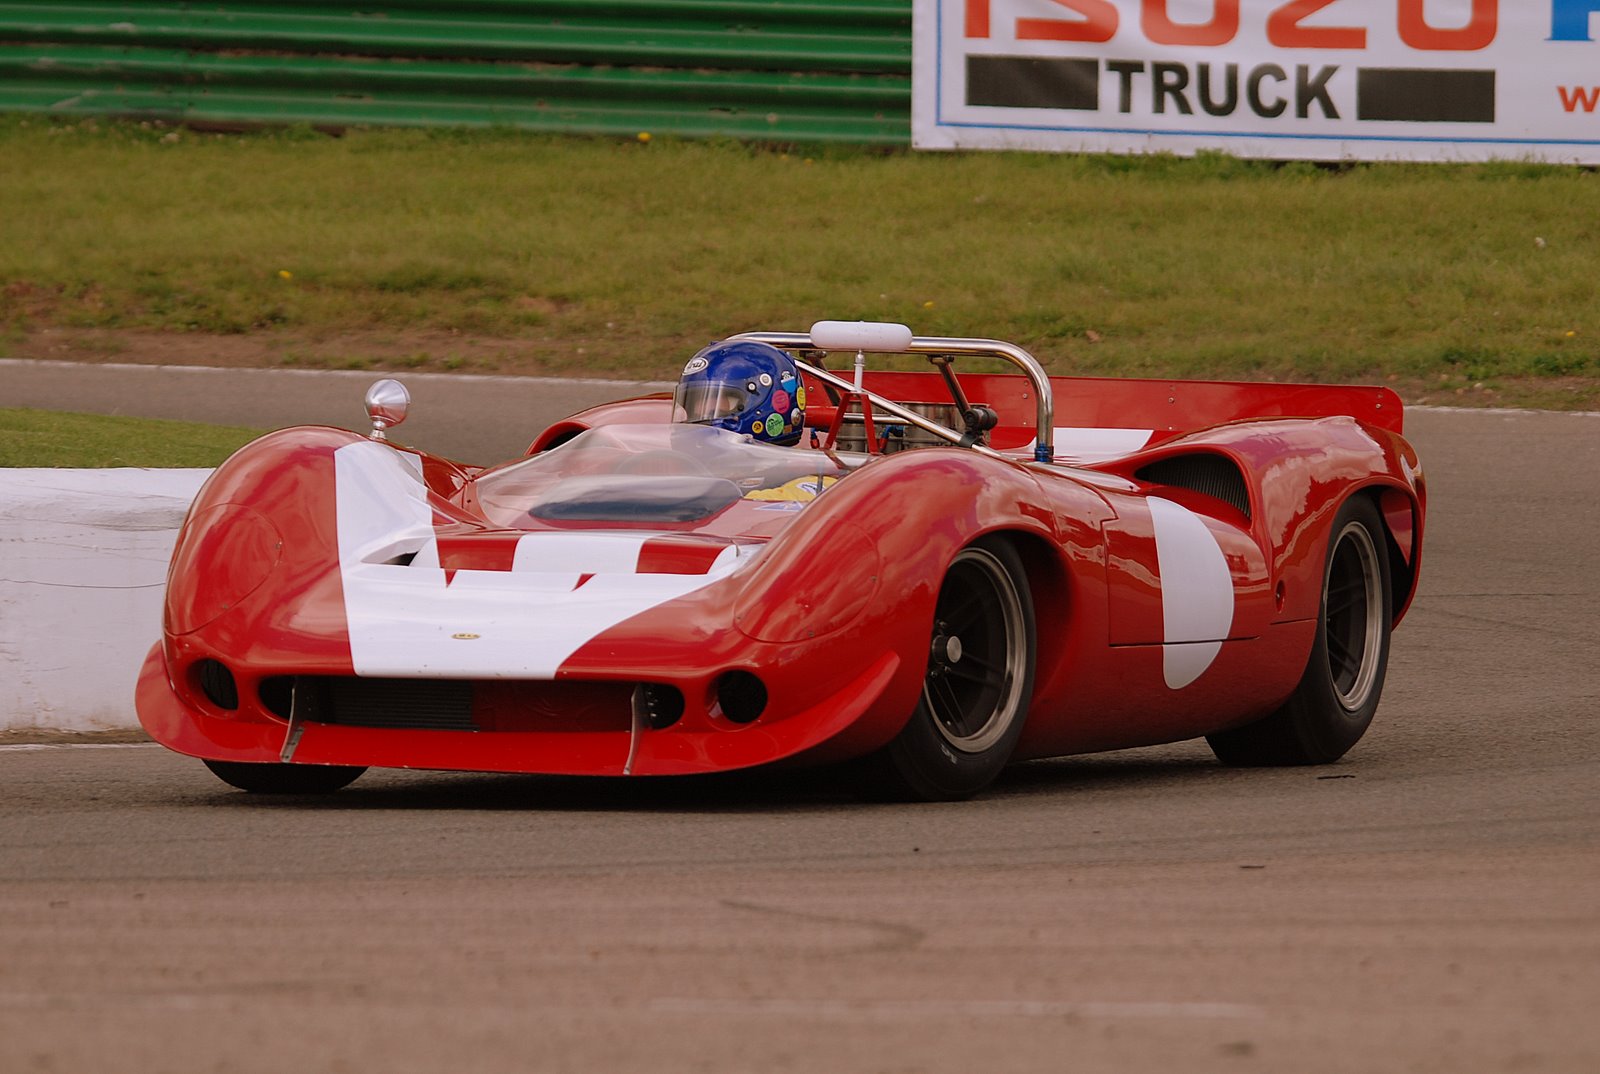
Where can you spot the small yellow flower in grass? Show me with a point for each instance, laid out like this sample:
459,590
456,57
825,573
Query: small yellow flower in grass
928,305
285,274
1571,334
643,136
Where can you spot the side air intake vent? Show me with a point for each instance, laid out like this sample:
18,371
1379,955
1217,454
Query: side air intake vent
218,684
1213,475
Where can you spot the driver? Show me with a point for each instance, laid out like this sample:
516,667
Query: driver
747,387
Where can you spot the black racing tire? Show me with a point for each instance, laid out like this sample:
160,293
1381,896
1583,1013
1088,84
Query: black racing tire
285,778
1338,693
977,686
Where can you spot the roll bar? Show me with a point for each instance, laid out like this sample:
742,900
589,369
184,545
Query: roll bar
887,338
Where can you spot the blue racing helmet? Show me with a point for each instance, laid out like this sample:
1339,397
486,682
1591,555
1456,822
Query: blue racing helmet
747,387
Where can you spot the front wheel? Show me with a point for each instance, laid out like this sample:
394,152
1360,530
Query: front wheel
978,682
284,778
1338,694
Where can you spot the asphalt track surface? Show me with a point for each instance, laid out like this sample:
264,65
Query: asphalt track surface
1431,903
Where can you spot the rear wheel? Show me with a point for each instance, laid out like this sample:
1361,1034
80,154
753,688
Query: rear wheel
977,685
284,778
1337,696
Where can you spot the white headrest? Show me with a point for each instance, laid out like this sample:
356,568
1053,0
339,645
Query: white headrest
860,336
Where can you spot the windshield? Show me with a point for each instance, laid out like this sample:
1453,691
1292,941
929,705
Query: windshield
652,473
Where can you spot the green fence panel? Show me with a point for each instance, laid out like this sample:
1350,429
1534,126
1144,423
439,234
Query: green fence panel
820,70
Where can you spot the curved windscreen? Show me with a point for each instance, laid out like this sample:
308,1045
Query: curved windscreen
650,473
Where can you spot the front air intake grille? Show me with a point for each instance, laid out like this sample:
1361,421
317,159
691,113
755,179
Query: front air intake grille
418,704
1212,475
453,704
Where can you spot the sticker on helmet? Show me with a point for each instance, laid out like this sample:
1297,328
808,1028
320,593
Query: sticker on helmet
766,380
697,364
800,396
780,400
774,425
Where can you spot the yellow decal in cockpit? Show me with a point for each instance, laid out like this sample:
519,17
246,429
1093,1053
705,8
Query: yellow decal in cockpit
800,490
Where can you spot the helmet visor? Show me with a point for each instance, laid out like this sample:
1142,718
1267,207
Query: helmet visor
703,401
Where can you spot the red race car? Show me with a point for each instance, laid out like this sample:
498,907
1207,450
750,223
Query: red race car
923,573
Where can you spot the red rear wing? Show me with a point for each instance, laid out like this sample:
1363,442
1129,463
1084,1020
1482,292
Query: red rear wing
1165,407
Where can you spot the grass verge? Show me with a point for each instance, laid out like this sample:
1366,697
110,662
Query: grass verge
539,254
51,439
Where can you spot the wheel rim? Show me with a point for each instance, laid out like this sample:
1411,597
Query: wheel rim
976,664
1353,616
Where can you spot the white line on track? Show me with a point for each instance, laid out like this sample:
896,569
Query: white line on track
26,747
894,1009
1500,411
863,1010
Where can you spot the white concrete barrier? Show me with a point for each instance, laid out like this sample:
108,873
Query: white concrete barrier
83,566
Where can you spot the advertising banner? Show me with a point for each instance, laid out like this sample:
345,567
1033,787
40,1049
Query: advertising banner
1282,79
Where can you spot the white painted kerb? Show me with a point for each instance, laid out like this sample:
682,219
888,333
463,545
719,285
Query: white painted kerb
83,565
